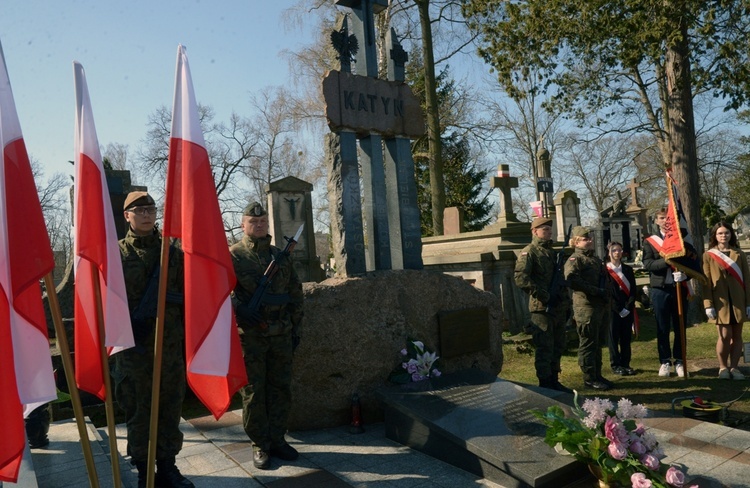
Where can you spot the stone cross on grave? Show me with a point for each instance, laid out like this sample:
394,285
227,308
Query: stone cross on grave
634,185
504,182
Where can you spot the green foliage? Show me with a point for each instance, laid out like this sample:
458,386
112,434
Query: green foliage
712,213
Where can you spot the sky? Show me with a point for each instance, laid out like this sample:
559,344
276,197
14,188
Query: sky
129,51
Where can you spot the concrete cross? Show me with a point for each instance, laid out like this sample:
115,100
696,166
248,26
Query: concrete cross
634,185
504,182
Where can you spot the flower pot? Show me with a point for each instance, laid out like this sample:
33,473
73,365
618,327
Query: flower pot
604,481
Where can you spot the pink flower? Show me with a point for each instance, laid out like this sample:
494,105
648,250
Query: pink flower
614,430
650,461
675,477
639,480
617,450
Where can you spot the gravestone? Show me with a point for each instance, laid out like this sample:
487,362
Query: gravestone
568,213
289,206
481,424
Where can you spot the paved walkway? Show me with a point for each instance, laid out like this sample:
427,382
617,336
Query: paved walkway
217,453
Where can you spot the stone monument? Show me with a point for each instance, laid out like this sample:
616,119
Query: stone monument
567,212
382,232
289,206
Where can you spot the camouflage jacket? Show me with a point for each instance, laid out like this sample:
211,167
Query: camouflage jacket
140,255
533,274
251,258
587,276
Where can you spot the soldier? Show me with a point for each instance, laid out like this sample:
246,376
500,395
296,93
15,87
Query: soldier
587,277
533,274
140,251
268,337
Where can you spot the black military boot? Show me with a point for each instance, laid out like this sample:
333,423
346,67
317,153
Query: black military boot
559,386
168,476
142,473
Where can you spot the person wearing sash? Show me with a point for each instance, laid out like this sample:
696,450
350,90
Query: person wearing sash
622,309
727,298
663,295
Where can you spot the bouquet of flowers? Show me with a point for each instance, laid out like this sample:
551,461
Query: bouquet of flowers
616,446
417,364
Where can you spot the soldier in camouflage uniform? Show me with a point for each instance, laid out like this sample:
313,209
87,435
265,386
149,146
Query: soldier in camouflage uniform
533,274
268,337
587,276
140,251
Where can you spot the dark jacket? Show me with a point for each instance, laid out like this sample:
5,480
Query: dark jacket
620,299
655,264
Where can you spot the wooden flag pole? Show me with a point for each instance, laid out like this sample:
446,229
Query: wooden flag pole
681,315
75,398
108,406
158,349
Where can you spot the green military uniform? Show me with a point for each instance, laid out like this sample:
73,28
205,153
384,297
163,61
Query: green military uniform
133,371
586,275
267,345
533,274
134,367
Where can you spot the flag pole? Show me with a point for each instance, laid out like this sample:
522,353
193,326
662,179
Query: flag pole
75,398
681,315
158,349
108,407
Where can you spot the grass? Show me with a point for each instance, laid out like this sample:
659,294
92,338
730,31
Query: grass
656,392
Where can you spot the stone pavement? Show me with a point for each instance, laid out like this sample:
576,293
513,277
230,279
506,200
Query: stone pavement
217,453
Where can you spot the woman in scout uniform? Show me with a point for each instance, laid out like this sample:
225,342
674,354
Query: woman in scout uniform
624,319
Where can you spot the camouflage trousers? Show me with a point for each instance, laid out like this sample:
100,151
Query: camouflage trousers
267,398
548,333
593,329
132,374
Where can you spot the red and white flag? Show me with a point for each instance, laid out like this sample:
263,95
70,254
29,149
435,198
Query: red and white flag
215,368
26,377
96,252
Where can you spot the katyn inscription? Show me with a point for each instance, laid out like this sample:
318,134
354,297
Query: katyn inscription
369,105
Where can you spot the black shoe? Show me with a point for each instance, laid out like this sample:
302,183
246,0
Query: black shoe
560,387
627,371
596,384
285,452
261,459
168,476
618,370
605,381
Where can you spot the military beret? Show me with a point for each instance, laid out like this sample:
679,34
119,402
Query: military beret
137,198
579,231
255,209
540,221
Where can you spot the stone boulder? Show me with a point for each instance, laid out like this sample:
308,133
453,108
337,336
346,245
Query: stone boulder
353,332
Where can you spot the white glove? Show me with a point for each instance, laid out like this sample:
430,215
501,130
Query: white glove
747,311
711,313
679,276
624,313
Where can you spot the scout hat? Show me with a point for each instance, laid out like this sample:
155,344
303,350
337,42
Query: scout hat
579,231
540,221
255,209
137,199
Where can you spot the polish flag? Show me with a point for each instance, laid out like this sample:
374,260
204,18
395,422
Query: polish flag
26,378
96,250
215,368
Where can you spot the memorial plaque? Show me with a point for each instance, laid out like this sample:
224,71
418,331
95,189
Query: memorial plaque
464,331
481,424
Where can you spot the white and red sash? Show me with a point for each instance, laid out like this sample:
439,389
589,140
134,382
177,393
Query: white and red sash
619,277
732,268
656,242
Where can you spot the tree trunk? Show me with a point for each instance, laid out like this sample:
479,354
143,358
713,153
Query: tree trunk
682,134
435,151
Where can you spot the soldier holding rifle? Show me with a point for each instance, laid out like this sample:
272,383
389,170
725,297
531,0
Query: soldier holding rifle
268,306
538,272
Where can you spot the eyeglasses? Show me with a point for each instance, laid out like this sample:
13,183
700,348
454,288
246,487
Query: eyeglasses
141,211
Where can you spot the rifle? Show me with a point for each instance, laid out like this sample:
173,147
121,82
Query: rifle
146,308
250,311
557,274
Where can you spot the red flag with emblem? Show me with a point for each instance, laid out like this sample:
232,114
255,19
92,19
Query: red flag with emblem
26,377
96,254
215,368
